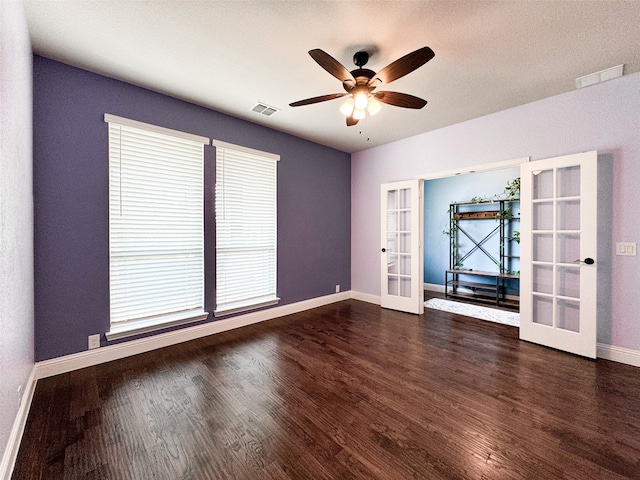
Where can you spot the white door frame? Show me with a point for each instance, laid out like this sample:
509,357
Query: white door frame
485,167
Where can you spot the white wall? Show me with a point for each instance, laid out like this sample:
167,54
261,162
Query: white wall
16,213
603,117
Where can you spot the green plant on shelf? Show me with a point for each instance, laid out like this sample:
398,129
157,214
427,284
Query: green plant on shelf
504,214
511,192
457,263
515,237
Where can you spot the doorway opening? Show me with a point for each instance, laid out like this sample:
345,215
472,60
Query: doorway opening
478,240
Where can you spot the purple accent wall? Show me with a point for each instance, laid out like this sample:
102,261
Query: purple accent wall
71,200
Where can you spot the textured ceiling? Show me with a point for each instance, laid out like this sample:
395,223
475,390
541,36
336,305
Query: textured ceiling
229,55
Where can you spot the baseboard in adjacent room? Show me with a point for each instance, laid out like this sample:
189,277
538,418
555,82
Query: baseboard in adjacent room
433,287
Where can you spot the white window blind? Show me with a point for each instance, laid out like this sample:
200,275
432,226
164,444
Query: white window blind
156,227
246,228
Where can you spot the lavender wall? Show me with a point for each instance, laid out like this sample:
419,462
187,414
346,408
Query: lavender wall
71,200
603,117
16,218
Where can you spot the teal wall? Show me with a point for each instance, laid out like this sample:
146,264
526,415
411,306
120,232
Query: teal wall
438,194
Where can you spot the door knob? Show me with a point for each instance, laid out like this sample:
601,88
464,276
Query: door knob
588,261
384,250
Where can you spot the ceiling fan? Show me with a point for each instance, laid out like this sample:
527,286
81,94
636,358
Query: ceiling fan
360,83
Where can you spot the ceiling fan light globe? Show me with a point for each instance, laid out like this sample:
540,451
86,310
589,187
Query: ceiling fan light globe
361,100
359,113
347,107
373,106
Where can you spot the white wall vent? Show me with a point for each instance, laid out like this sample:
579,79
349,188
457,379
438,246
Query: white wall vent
264,109
601,76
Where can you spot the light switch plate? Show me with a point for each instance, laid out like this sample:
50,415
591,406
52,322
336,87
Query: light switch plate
626,248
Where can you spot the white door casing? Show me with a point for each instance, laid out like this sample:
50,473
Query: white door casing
401,247
558,248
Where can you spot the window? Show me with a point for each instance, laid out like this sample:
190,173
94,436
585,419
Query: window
156,227
246,230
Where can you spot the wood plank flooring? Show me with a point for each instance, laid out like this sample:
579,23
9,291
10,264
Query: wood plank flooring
345,391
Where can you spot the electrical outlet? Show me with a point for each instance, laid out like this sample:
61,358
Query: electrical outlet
94,341
337,288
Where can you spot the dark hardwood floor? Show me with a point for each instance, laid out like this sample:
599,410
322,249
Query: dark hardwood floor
344,391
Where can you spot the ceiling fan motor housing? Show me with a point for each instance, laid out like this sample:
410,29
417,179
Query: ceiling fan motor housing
361,58
361,76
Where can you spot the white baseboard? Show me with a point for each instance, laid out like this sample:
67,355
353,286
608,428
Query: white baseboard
15,436
96,356
618,354
365,297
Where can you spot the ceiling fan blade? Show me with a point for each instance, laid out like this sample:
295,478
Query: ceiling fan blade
351,121
404,65
400,99
322,98
331,65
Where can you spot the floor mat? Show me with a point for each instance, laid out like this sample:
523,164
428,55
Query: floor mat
468,310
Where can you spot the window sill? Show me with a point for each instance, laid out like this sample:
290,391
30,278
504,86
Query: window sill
244,306
130,329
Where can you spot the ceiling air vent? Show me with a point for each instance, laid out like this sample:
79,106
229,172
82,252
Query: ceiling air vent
601,76
264,109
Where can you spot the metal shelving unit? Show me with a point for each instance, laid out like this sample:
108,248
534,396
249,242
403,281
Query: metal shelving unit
477,285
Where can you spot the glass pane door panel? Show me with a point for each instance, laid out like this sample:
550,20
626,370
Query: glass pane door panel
392,242
543,310
568,248
399,240
393,285
405,242
568,315
405,220
569,282
543,184
392,263
405,198
568,183
392,199
405,287
568,215
542,247
543,279
392,221
543,216
405,264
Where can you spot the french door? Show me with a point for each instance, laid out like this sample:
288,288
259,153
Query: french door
558,247
401,247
